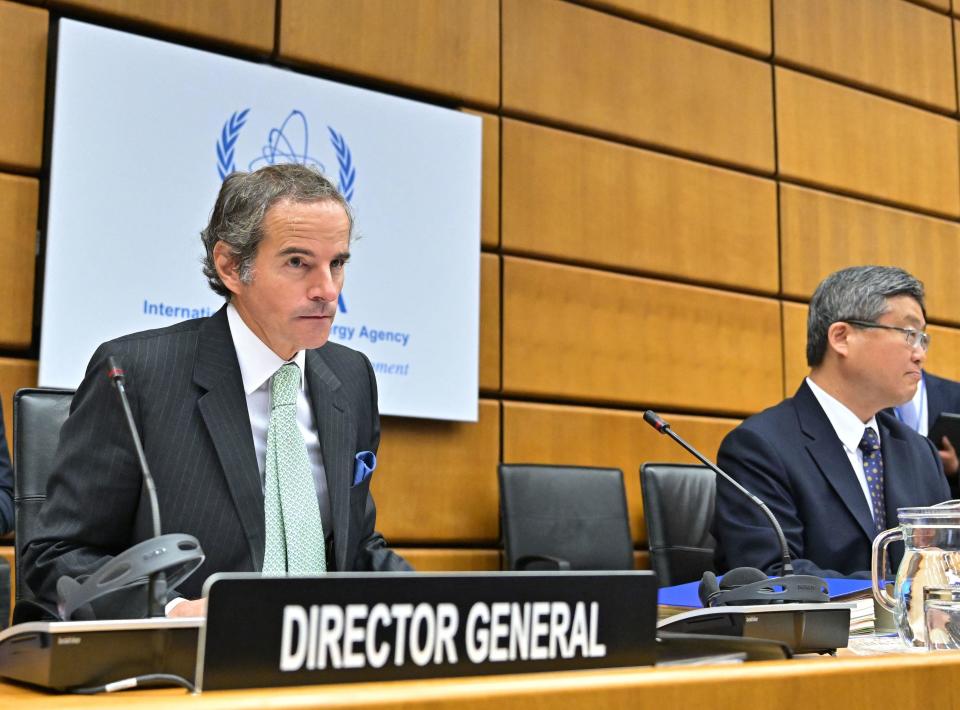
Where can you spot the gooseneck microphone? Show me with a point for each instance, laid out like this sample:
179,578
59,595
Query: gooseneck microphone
157,582
658,423
746,585
117,376
162,561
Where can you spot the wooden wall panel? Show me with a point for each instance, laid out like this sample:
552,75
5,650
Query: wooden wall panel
451,559
821,233
241,23
490,199
489,322
14,374
427,559
889,45
23,67
19,198
448,48
605,204
956,53
744,24
437,481
587,436
586,69
943,358
830,135
941,5
794,346
580,334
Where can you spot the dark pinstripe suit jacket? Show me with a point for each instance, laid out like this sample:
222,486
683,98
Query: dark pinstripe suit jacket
187,398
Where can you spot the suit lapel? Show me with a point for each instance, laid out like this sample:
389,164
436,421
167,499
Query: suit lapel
896,472
224,411
333,419
828,453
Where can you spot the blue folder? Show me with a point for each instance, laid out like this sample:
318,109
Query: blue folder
686,594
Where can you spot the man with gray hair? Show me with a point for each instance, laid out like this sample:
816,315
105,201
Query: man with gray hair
259,433
831,464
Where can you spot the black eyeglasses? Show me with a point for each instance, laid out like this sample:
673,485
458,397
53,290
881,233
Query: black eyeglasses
914,337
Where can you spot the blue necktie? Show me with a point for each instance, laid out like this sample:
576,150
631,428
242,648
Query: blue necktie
873,469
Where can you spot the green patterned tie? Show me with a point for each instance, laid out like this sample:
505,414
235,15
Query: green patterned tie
294,541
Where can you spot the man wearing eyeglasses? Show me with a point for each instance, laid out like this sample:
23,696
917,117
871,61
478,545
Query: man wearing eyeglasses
831,464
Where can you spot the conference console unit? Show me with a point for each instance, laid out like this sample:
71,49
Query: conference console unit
805,628
67,655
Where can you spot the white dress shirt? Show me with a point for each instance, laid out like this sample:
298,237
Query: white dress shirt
849,429
919,403
257,365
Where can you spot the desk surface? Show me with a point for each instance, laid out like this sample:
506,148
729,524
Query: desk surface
919,681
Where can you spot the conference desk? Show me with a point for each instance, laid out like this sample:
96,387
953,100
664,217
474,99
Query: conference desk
901,682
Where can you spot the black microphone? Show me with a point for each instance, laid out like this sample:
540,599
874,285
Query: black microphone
658,423
746,586
116,374
157,582
151,560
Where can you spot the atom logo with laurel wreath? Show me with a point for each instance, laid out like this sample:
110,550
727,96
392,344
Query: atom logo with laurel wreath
288,143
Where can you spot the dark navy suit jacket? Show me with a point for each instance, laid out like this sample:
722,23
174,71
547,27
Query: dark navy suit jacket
943,395
792,459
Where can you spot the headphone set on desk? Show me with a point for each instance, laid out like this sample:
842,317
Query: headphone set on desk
747,585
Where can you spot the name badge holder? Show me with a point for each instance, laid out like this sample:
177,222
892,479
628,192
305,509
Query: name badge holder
360,627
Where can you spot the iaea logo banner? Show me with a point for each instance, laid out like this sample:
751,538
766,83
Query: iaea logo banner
144,133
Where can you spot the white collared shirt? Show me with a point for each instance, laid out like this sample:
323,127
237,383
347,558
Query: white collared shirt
849,429
919,402
258,363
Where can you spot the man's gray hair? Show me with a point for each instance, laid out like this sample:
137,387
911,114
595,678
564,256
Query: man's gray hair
237,217
856,293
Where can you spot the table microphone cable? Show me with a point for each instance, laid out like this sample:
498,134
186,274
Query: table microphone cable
140,681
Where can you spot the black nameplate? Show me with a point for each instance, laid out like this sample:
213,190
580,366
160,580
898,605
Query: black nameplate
341,628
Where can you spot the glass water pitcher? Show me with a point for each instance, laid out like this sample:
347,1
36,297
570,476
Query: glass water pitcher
931,537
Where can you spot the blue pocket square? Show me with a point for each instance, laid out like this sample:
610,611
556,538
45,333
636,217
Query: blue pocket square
366,462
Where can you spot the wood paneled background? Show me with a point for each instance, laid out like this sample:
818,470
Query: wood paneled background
665,183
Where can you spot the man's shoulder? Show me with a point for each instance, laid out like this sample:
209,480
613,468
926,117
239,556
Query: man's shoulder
335,355
187,329
950,388
775,428
158,350
781,417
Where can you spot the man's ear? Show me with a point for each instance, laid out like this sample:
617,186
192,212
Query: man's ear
226,264
838,338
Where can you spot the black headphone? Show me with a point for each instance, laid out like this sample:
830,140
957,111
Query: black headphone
747,585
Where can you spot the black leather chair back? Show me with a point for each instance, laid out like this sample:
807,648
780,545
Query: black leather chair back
571,513
678,507
38,415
